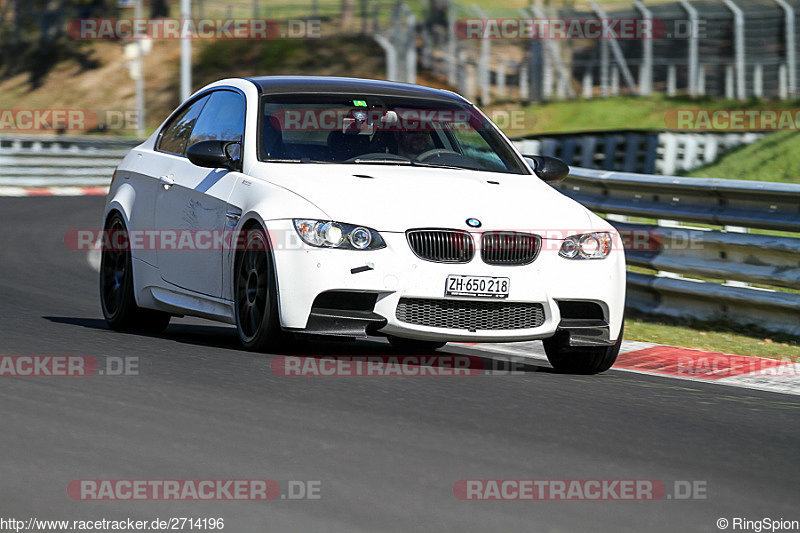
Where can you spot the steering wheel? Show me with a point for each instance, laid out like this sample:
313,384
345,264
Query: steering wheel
436,151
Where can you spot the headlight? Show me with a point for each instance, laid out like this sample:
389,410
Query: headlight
586,246
329,234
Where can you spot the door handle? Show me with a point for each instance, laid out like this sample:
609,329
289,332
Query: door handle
167,181
232,216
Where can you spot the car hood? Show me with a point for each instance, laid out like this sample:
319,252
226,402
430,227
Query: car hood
396,198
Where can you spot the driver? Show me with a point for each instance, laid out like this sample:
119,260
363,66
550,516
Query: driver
411,144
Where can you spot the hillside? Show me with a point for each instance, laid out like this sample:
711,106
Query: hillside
100,81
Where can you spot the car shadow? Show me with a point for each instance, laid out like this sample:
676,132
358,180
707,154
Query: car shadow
226,338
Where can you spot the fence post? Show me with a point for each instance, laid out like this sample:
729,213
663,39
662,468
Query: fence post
615,80
672,80
461,74
646,68
758,80
535,81
604,60
693,46
524,83
729,90
619,57
587,84
483,63
411,46
783,89
791,60
555,62
701,81
452,46
501,78
427,48
391,56
471,82
738,16
547,78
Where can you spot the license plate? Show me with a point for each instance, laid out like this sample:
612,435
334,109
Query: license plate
480,286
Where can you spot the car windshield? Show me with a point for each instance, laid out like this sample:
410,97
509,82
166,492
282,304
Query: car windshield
381,130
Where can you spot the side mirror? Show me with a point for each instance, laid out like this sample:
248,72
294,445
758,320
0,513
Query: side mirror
549,169
214,154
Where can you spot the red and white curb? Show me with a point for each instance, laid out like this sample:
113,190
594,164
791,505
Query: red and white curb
748,372
53,191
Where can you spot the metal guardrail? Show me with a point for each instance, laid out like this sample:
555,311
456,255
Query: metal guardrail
726,261
52,160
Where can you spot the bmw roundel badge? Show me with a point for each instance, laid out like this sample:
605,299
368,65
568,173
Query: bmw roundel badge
473,223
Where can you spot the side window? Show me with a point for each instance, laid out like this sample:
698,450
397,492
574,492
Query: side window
222,119
176,133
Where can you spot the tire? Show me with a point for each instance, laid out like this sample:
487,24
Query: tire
413,345
568,360
116,285
256,295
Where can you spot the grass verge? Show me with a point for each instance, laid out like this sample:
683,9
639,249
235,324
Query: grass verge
710,336
616,113
774,158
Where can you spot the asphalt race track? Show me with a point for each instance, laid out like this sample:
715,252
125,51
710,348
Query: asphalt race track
386,451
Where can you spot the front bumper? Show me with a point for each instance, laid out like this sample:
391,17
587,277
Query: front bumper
394,272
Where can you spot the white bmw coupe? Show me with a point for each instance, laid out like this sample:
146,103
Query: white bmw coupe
348,207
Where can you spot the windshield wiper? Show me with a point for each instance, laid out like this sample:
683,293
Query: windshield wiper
380,161
429,165
302,160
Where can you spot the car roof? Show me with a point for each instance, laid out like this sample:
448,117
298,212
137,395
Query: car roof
329,84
